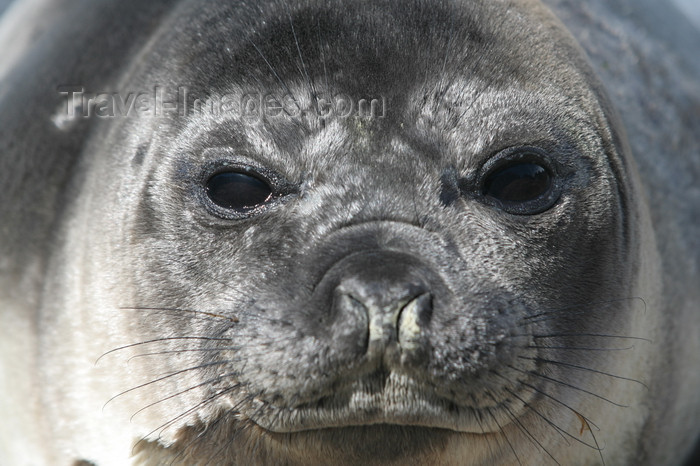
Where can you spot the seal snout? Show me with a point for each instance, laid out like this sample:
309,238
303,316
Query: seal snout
385,300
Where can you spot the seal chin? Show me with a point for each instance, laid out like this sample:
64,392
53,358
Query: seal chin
385,398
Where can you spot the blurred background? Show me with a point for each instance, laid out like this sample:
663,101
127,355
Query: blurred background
691,8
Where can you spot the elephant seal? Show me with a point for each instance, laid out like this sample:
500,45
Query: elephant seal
346,233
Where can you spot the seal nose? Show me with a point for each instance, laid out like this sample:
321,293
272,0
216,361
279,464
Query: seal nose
395,303
393,317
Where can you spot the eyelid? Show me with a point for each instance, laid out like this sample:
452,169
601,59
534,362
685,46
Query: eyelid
524,153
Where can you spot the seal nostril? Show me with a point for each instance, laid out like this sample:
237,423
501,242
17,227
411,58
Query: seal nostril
412,320
349,316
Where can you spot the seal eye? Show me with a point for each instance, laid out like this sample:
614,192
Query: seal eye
237,191
518,183
519,180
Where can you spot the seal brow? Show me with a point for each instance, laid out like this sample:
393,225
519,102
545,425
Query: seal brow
310,82
274,72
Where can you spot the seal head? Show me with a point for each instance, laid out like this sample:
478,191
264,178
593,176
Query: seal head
369,233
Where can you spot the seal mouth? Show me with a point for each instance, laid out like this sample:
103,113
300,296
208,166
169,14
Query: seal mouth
386,398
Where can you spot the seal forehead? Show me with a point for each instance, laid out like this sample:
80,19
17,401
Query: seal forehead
360,45
363,52
365,45
372,51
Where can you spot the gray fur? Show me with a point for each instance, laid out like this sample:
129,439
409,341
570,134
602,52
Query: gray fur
141,323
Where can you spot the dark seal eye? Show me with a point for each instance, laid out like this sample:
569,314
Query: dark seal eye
518,183
237,191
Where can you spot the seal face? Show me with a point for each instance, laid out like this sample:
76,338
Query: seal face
367,233
401,271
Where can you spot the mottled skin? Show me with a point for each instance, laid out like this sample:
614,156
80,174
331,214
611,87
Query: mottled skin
566,336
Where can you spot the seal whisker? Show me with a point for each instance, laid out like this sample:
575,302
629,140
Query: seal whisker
583,368
224,445
595,447
545,394
562,432
478,418
159,379
189,411
573,387
595,440
587,421
570,348
159,340
524,429
191,350
174,395
204,315
211,427
586,306
525,403
597,335
505,436
208,316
